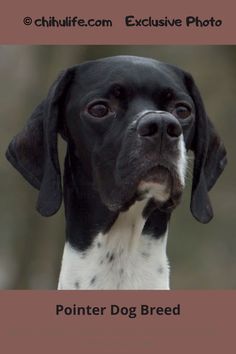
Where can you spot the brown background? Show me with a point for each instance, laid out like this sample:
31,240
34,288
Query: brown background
12,29
206,323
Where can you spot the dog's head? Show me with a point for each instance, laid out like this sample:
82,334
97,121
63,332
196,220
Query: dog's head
129,121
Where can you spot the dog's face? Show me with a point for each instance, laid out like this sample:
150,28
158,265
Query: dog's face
129,122
131,116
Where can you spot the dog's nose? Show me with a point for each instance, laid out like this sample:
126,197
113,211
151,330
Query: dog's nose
159,124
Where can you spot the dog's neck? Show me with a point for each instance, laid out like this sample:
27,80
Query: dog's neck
108,250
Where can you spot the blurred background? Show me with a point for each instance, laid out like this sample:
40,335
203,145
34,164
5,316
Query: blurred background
201,256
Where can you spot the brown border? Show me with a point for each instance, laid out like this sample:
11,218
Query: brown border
28,321
13,31
206,323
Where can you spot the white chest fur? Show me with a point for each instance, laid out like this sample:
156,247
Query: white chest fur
123,258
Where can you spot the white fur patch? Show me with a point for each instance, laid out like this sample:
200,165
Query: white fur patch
181,164
155,190
121,259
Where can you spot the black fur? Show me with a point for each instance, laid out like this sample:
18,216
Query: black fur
105,159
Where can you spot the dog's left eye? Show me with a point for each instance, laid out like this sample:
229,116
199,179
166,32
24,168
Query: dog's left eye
182,111
99,110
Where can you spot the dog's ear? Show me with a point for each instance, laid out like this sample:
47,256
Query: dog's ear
210,157
33,152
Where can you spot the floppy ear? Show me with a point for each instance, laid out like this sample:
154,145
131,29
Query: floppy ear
33,152
210,158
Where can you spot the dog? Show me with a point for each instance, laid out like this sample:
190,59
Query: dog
128,123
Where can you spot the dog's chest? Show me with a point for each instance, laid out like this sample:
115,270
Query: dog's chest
121,259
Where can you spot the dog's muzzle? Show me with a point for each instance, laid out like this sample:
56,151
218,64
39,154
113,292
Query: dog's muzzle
147,164
159,133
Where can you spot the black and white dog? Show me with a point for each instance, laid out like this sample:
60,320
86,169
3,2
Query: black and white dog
128,123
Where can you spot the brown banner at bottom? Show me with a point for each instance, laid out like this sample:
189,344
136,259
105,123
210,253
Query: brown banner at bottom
117,322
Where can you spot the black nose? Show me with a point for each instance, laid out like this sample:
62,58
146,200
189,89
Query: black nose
159,124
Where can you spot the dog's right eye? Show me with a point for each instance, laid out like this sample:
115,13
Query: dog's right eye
99,110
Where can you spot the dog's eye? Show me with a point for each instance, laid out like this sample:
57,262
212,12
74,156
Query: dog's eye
99,110
182,111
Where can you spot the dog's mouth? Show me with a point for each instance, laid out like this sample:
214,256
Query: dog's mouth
161,184
158,174
156,182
